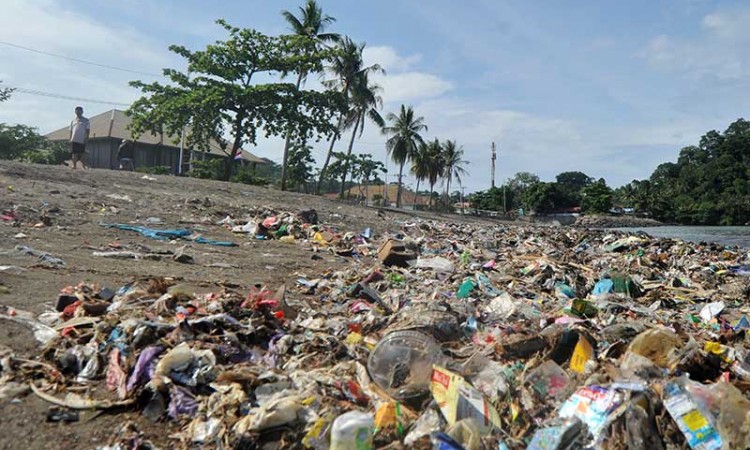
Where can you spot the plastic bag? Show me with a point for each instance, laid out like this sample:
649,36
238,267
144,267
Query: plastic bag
437,263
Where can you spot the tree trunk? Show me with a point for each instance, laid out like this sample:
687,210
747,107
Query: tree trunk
416,194
447,192
432,190
288,141
349,155
229,162
367,190
398,192
328,158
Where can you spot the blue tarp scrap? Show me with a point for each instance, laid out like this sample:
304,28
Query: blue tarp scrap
166,234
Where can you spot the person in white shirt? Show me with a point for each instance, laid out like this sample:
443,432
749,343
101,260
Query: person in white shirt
79,136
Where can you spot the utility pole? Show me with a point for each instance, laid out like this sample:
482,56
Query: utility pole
385,186
462,199
505,206
494,157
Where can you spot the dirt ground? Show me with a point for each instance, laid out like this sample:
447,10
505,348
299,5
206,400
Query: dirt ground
76,202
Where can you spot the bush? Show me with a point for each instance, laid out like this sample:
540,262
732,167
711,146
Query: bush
210,169
246,175
155,170
54,153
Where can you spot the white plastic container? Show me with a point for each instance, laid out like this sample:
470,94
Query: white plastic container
352,431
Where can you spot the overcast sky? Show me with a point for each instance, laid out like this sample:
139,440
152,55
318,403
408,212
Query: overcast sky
611,88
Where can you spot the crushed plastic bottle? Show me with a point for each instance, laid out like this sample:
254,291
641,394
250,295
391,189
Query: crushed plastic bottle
402,361
352,431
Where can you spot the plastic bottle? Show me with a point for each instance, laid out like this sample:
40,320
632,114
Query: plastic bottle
352,431
401,363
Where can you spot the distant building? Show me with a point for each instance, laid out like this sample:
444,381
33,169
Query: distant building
385,195
108,129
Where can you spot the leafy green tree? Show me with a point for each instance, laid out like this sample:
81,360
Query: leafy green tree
708,185
575,180
300,165
522,181
453,164
515,189
365,169
348,67
571,184
311,24
544,197
597,197
364,105
404,140
336,170
17,141
220,94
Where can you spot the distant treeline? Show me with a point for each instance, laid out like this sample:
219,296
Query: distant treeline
708,185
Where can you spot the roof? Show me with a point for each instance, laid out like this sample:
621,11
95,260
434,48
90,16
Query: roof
103,126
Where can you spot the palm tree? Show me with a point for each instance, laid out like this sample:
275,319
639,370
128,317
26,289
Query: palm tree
365,102
311,23
435,165
348,66
453,162
404,140
420,165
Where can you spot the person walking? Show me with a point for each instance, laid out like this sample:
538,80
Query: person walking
79,137
126,155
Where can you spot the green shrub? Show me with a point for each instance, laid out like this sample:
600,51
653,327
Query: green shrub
210,169
55,153
246,175
155,170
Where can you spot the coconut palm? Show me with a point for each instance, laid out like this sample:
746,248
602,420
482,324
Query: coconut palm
435,165
419,164
347,66
404,141
311,24
364,105
453,163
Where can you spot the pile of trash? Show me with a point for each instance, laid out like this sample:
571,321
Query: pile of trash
444,336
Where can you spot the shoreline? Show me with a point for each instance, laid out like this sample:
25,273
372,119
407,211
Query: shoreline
599,221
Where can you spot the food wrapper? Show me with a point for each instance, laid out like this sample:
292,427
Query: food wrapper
699,433
459,400
592,405
581,355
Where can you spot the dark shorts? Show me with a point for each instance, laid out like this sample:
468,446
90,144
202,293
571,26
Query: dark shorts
77,148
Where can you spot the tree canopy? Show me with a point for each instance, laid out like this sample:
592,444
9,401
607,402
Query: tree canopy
311,24
24,143
220,95
708,185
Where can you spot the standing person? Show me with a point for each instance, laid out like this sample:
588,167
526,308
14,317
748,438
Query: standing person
126,155
79,137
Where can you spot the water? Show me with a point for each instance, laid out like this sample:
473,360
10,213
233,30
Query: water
730,236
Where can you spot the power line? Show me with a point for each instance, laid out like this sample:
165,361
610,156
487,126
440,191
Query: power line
64,97
82,61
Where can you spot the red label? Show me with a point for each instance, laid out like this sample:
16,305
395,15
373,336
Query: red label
440,377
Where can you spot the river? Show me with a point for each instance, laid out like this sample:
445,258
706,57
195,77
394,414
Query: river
723,235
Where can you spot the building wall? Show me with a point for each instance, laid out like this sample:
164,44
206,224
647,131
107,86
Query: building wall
102,154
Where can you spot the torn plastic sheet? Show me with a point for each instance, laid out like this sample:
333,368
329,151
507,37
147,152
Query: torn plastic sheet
181,401
145,367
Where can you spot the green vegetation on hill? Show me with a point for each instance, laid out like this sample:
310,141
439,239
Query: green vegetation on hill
708,185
